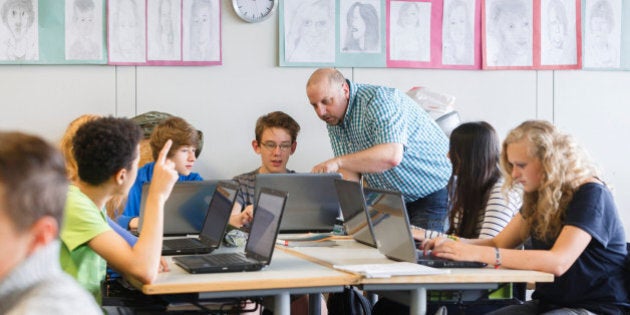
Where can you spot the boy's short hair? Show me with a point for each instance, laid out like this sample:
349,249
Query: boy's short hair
177,129
104,146
33,181
277,119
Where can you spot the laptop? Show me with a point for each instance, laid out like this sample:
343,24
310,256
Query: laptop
259,246
185,209
354,211
214,225
312,205
390,225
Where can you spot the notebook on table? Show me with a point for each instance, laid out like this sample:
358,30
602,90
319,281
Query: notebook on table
213,228
312,205
259,246
354,211
390,225
185,208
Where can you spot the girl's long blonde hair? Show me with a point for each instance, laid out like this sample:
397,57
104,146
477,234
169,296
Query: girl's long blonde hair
565,166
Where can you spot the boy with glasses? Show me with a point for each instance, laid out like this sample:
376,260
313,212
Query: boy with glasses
276,135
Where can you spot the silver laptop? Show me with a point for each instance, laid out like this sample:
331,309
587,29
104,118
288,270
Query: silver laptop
214,225
390,225
186,207
260,243
312,204
353,208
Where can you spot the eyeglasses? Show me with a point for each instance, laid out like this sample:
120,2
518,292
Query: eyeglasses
271,146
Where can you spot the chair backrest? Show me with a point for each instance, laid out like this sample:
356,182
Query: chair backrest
448,122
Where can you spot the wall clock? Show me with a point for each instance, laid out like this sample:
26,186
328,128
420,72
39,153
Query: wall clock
254,10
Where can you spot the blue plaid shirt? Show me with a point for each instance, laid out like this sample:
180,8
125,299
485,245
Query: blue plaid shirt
378,115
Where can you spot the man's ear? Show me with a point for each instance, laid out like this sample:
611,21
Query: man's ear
44,231
293,146
255,146
120,176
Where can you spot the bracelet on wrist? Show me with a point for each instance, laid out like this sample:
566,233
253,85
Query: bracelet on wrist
497,258
452,237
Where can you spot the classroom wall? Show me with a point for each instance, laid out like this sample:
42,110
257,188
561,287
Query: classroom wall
224,101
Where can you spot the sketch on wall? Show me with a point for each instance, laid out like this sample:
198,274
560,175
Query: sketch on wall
201,24
558,44
84,29
163,28
602,34
19,35
509,33
410,31
126,28
309,31
458,32
360,26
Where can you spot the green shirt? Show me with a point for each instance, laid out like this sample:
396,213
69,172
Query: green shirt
83,221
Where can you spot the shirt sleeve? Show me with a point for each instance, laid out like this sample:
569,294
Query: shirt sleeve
500,209
82,221
129,238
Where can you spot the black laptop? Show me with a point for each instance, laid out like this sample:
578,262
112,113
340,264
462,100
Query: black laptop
213,228
260,243
390,225
185,208
354,212
312,204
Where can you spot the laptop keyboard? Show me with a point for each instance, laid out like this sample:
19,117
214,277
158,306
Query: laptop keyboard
183,243
226,259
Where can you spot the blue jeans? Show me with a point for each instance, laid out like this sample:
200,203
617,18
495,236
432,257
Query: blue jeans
430,212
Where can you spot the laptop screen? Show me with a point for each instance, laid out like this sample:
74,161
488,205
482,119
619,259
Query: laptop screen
312,203
388,217
264,230
219,212
186,207
353,209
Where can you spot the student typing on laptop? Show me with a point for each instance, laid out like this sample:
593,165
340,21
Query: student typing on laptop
573,223
186,140
478,206
107,151
275,141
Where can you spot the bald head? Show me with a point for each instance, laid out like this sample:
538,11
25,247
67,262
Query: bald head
328,92
325,75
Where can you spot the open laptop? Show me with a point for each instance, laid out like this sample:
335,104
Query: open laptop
185,208
312,205
260,243
353,208
214,225
390,225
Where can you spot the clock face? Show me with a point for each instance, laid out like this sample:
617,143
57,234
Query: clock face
253,10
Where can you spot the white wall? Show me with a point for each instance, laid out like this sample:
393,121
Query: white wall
224,101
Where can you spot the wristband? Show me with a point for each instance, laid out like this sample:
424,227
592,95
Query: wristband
497,256
452,237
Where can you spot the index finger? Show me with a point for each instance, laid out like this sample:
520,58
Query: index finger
164,152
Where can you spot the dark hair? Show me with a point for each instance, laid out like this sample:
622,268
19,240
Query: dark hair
104,146
177,129
277,119
33,181
369,14
474,153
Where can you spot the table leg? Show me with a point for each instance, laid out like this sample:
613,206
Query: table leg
282,304
418,301
315,304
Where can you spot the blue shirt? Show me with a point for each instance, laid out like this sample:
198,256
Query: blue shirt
596,280
379,115
145,174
